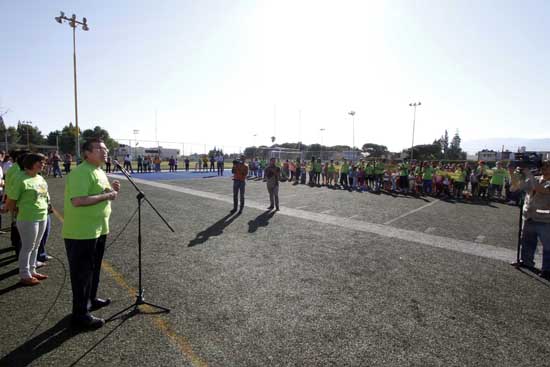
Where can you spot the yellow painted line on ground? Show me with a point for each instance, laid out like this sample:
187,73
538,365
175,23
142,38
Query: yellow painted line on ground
180,340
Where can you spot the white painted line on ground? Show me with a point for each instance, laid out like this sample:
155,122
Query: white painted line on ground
412,212
355,216
430,230
328,211
302,207
383,230
480,239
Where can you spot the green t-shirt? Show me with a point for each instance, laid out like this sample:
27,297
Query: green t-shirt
459,175
403,169
427,173
344,168
331,169
379,168
369,170
31,194
13,174
498,176
86,222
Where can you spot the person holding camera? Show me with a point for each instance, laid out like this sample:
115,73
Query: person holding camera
536,217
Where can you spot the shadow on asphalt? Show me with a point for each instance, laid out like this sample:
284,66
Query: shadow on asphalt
41,344
48,341
261,220
9,274
215,229
7,249
8,260
10,288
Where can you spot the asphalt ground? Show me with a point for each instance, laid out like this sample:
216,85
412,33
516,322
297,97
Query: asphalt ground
333,279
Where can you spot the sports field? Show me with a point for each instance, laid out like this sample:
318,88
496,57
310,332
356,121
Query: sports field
335,278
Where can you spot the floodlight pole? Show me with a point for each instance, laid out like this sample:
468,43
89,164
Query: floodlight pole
321,152
73,23
352,113
414,121
75,96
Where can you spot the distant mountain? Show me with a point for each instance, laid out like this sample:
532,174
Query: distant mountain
511,144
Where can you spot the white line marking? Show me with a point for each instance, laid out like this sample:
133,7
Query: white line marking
328,211
465,247
355,216
412,212
302,207
480,239
430,230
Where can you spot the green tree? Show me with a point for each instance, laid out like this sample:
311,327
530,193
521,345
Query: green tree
426,152
98,132
375,150
444,142
28,133
455,151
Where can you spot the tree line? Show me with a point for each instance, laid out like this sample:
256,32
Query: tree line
27,133
440,149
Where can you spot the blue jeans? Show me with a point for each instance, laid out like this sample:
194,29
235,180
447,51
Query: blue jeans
530,233
238,187
427,186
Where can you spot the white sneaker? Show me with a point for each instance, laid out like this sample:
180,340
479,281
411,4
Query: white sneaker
40,264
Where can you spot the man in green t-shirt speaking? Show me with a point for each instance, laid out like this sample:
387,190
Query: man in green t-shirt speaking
87,208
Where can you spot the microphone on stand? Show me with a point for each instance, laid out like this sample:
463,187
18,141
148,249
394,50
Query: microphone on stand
117,164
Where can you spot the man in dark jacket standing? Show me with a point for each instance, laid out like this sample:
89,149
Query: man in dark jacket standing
273,175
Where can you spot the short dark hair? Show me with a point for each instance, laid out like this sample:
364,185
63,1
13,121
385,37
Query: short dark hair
88,145
31,158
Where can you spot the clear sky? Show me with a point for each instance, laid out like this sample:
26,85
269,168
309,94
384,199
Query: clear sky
219,72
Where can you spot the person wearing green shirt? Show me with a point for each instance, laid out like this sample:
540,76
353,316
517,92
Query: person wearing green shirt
404,177
331,173
497,180
28,195
379,168
459,177
88,196
427,177
12,175
344,170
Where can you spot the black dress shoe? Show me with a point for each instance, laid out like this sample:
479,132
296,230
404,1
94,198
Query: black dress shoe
100,303
87,322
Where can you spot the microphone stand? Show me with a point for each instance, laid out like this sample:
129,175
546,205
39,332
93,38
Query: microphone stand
140,299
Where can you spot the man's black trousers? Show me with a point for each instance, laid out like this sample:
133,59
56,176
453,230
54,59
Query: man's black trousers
85,258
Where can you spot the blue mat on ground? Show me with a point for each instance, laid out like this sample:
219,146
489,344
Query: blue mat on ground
178,175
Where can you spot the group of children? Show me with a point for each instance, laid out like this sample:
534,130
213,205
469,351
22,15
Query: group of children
453,180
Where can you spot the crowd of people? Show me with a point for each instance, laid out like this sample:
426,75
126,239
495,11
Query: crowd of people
88,194
447,180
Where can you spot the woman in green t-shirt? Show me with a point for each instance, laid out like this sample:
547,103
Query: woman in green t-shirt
29,196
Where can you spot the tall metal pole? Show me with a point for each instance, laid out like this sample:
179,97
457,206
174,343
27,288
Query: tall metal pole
73,23
57,142
321,152
76,97
414,123
352,113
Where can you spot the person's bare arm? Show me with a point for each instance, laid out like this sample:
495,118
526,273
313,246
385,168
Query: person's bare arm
94,199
